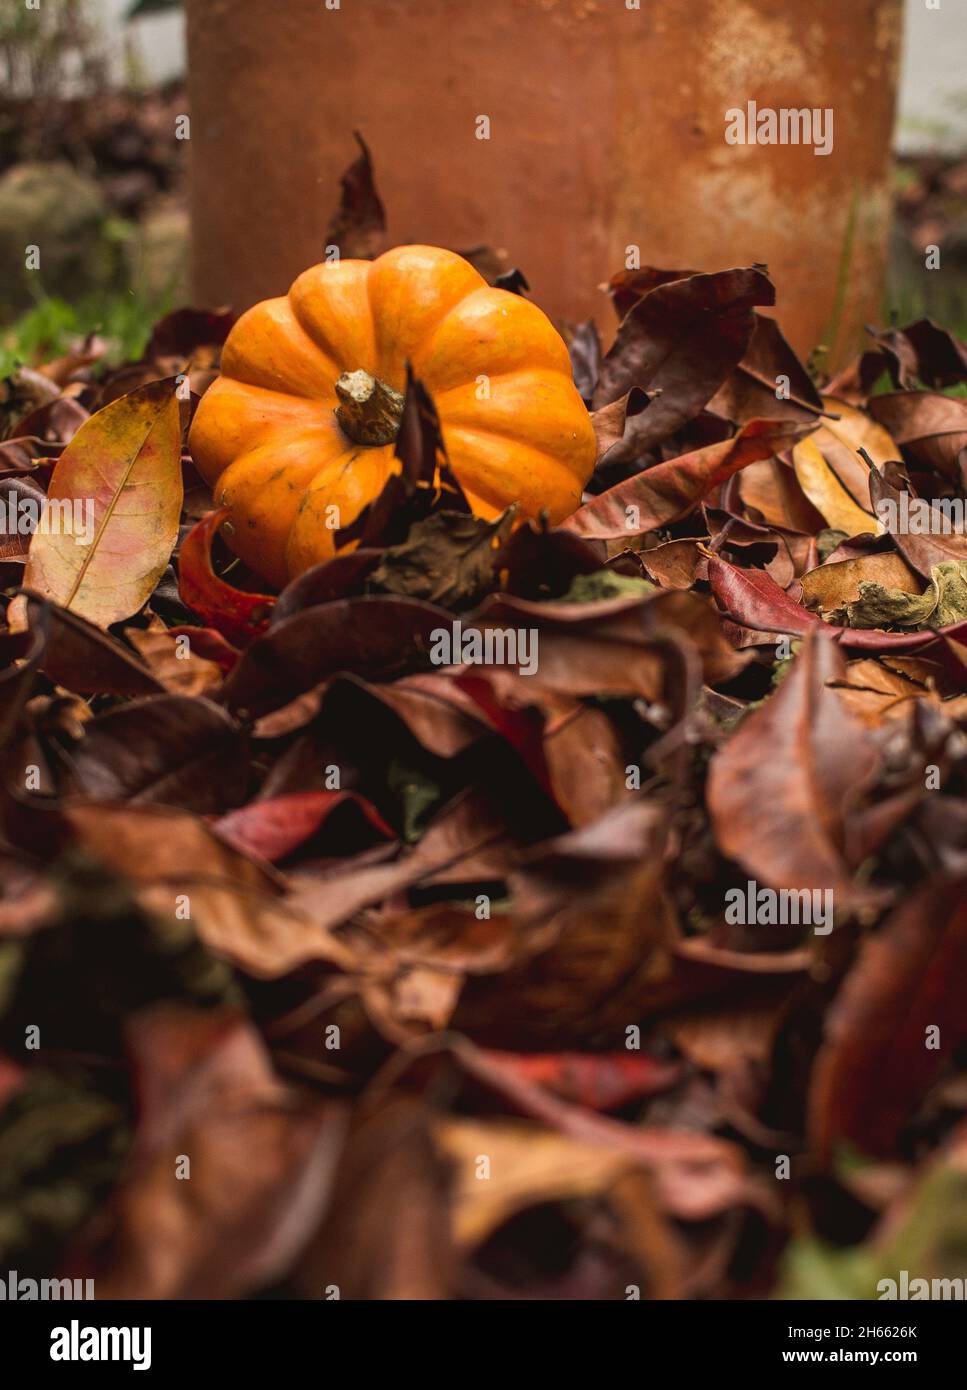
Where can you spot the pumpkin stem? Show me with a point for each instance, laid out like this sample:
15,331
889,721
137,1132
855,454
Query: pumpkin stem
369,411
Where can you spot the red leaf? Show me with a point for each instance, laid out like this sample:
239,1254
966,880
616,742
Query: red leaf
784,815
275,827
520,727
597,1081
754,599
237,615
670,490
874,1067
11,1079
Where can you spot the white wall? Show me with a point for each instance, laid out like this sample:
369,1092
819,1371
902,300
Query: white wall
157,40
933,86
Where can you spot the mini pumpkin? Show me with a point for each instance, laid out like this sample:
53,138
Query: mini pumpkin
296,436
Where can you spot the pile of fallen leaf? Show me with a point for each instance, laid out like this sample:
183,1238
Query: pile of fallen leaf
326,971
929,200
121,138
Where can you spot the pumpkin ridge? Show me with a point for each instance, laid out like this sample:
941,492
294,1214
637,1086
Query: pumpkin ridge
336,361
324,347
493,488
435,325
263,488
536,343
278,332
510,438
309,542
391,262
271,390
441,321
237,418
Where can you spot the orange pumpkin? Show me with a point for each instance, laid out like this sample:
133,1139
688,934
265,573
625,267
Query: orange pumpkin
296,435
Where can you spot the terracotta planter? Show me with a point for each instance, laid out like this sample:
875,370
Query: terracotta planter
607,131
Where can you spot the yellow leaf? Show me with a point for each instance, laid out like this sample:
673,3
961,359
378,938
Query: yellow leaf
856,430
114,505
826,492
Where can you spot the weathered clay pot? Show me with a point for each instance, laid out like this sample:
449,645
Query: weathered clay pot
607,130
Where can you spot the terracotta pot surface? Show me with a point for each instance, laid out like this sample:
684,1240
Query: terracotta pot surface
607,131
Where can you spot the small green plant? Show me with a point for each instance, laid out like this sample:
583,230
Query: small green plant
52,327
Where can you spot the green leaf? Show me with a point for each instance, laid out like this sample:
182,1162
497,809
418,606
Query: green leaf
605,584
418,795
62,1145
943,601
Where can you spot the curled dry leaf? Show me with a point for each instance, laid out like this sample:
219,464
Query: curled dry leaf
387,1234
377,637
696,1175
532,1167
925,546
931,429
171,750
836,583
753,598
237,615
175,860
668,491
841,439
826,492
180,666
358,227
877,1061
753,388
599,895
273,828
784,817
683,338
75,654
262,1165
